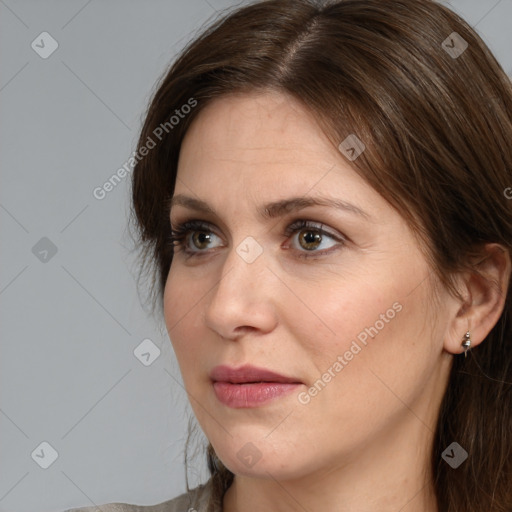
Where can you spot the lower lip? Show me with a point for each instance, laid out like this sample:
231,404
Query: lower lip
252,394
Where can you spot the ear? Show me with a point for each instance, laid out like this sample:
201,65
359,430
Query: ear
484,292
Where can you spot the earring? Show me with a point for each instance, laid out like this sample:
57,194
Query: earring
466,343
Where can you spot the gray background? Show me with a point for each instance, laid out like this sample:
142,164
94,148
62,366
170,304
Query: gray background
71,322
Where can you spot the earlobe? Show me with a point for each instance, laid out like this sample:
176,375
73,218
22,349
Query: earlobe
485,292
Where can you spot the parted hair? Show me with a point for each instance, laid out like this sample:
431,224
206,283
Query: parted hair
433,107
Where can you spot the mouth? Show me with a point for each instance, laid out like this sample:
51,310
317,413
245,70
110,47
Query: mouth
249,386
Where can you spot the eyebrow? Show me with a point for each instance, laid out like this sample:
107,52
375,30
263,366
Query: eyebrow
273,209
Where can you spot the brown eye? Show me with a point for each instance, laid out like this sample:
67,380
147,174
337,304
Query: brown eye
196,238
309,239
201,239
193,238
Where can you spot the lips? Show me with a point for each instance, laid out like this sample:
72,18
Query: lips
248,386
248,374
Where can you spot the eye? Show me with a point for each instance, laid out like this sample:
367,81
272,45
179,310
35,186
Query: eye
195,237
201,236
310,237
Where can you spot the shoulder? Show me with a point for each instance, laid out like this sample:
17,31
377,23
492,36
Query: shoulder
194,501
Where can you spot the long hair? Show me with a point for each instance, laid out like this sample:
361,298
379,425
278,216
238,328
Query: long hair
433,107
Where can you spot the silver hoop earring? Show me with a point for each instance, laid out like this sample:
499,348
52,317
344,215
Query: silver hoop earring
466,343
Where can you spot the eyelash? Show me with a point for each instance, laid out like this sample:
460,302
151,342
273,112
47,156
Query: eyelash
179,234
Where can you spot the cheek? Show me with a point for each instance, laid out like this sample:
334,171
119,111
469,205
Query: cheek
381,342
358,310
378,322
181,318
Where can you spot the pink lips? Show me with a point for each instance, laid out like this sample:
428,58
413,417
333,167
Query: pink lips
249,386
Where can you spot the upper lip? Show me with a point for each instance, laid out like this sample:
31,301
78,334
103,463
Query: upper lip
247,373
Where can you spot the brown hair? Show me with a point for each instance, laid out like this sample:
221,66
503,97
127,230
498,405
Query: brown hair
438,134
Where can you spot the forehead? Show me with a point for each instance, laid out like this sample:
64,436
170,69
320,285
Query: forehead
254,126
250,159
253,149
268,136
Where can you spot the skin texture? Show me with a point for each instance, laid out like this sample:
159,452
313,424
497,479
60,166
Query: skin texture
363,442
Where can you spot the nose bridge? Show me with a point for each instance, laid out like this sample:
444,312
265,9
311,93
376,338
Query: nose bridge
242,296
244,267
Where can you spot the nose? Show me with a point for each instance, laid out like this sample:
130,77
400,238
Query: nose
243,300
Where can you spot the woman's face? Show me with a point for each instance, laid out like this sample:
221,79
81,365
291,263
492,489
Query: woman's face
339,306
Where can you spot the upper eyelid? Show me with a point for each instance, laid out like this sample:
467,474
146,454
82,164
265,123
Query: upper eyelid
292,226
180,223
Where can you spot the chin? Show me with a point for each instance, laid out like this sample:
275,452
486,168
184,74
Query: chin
260,458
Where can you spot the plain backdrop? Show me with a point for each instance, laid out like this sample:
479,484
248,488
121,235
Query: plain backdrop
85,418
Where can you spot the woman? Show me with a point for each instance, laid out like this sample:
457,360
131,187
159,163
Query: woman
322,193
